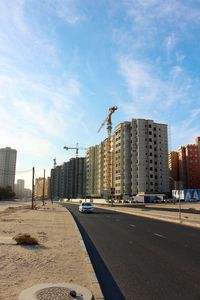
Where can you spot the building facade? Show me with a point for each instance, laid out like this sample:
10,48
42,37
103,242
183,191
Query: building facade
19,188
173,170
8,158
94,171
42,186
141,158
69,179
188,161
138,161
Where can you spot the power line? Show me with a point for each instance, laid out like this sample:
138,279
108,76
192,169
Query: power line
10,172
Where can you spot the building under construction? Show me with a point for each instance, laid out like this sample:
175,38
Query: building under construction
69,179
134,162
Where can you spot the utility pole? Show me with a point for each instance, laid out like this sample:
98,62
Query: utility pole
33,189
43,189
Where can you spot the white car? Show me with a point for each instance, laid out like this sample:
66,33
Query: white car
86,207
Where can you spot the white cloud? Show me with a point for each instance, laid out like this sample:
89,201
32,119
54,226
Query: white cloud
38,116
148,12
66,10
156,25
156,96
170,42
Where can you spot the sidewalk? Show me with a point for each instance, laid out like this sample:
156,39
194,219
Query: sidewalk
60,256
188,219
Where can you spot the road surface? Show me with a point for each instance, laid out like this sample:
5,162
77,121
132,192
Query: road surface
141,259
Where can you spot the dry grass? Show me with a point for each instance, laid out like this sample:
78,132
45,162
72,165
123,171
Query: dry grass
25,239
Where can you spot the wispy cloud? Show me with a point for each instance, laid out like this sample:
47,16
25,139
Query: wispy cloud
155,62
39,97
67,10
167,99
37,106
156,25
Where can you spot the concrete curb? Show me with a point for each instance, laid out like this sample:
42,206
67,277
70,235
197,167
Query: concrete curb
166,219
97,292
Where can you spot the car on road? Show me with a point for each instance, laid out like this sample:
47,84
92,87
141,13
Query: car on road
86,207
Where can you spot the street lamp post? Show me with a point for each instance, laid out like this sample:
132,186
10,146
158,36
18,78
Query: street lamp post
179,205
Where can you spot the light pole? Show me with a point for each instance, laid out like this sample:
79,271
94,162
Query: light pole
179,206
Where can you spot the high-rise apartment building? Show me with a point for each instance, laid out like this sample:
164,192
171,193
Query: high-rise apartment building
188,159
19,188
138,163
55,182
69,179
173,170
99,169
7,167
94,167
141,158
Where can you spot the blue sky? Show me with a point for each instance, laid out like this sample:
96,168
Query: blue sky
63,63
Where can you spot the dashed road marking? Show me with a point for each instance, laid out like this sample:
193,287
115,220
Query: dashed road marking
160,235
132,225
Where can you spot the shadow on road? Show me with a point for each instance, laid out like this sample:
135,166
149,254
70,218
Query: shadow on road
109,287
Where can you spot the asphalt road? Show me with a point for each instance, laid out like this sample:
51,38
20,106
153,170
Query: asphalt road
141,259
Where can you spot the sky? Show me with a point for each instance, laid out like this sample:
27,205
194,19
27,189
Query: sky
63,63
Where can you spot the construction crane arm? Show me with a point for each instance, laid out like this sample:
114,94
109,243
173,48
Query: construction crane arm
67,148
102,125
75,148
108,118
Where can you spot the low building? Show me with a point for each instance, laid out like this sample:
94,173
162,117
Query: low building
188,195
42,186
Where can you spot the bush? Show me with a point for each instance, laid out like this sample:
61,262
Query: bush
25,239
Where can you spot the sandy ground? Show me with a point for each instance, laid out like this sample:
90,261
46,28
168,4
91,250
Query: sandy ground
59,256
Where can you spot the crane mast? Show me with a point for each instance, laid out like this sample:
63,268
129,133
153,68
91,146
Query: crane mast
54,163
108,161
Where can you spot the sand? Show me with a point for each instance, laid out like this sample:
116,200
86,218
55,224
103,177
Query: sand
59,256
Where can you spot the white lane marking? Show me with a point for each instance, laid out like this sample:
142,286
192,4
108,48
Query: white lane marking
132,225
160,235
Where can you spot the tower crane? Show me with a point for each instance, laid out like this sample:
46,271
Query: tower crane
75,148
109,174
108,120
54,163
